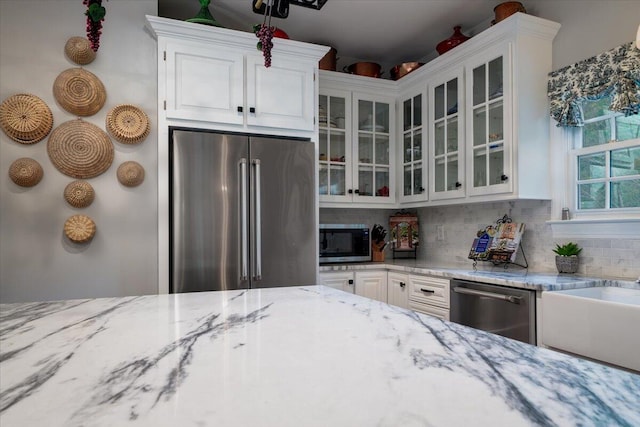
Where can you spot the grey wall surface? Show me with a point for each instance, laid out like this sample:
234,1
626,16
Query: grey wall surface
36,261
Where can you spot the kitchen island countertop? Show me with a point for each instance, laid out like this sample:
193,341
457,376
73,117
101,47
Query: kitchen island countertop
300,356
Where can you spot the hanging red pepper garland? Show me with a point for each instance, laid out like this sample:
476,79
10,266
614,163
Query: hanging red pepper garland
95,15
265,33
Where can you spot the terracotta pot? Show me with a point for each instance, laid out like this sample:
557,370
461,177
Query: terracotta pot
506,9
328,62
368,69
453,41
405,68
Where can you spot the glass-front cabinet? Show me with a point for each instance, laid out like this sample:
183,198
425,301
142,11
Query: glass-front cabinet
334,145
446,136
373,121
413,154
488,124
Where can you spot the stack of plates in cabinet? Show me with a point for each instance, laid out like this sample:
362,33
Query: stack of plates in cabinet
323,118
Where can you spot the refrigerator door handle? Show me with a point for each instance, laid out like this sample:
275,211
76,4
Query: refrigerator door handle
257,273
244,271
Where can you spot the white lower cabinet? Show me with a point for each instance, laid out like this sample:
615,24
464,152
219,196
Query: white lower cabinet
342,280
398,289
429,295
372,284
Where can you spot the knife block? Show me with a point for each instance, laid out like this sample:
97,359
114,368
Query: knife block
377,252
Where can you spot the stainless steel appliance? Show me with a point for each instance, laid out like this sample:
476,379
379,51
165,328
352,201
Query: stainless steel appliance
242,211
505,311
344,243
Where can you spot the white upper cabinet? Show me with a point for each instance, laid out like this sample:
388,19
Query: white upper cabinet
217,76
413,155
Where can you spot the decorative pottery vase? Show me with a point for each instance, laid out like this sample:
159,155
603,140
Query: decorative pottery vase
453,41
506,9
567,264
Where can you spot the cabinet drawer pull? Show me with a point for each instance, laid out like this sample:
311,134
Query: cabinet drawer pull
428,291
239,109
252,109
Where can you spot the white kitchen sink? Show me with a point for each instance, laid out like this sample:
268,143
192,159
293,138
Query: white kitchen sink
601,323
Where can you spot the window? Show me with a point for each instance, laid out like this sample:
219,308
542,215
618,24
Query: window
606,158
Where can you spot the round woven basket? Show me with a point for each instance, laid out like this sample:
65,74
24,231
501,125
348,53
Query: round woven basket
78,49
79,92
79,194
127,124
25,118
26,172
79,228
130,174
80,149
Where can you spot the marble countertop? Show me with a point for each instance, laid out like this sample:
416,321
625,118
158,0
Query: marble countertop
301,356
515,277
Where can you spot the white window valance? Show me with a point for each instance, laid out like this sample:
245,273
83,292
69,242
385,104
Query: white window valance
615,74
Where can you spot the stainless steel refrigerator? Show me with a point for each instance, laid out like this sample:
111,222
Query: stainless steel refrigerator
242,211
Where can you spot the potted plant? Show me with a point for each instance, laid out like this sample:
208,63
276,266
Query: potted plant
567,257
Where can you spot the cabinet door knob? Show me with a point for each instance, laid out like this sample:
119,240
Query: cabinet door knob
504,177
350,191
239,109
421,189
458,185
402,284
356,191
351,281
252,109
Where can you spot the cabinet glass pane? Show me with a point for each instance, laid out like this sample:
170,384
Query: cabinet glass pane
438,102
496,164
407,180
337,180
365,115
452,172
496,131
452,135
495,78
479,126
337,112
406,115
625,194
438,138
452,96
625,162
479,168
365,148
382,149
591,196
365,180
407,148
323,179
323,110
337,146
417,178
323,138
479,85
417,145
382,182
417,110
382,117
439,175
591,166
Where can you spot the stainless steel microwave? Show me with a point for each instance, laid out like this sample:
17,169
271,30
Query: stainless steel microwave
344,243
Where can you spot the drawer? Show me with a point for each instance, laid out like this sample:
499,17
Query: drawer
429,290
431,310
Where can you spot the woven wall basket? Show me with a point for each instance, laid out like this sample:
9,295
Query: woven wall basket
79,194
80,149
79,92
127,124
79,228
25,118
130,174
26,172
78,49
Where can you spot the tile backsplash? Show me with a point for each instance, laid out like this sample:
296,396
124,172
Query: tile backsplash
601,257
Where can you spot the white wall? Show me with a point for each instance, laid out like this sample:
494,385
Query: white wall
36,260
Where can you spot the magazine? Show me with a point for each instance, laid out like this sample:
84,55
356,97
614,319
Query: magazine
497,243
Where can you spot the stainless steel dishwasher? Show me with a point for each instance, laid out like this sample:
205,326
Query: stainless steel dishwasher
505,311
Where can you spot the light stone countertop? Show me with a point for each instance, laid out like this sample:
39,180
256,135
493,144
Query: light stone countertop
299,356
513,276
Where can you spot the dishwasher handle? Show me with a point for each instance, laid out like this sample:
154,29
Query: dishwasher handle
509,298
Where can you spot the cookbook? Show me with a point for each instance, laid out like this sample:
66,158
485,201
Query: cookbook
497,243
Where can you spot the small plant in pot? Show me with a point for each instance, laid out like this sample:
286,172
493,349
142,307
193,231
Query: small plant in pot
567,257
